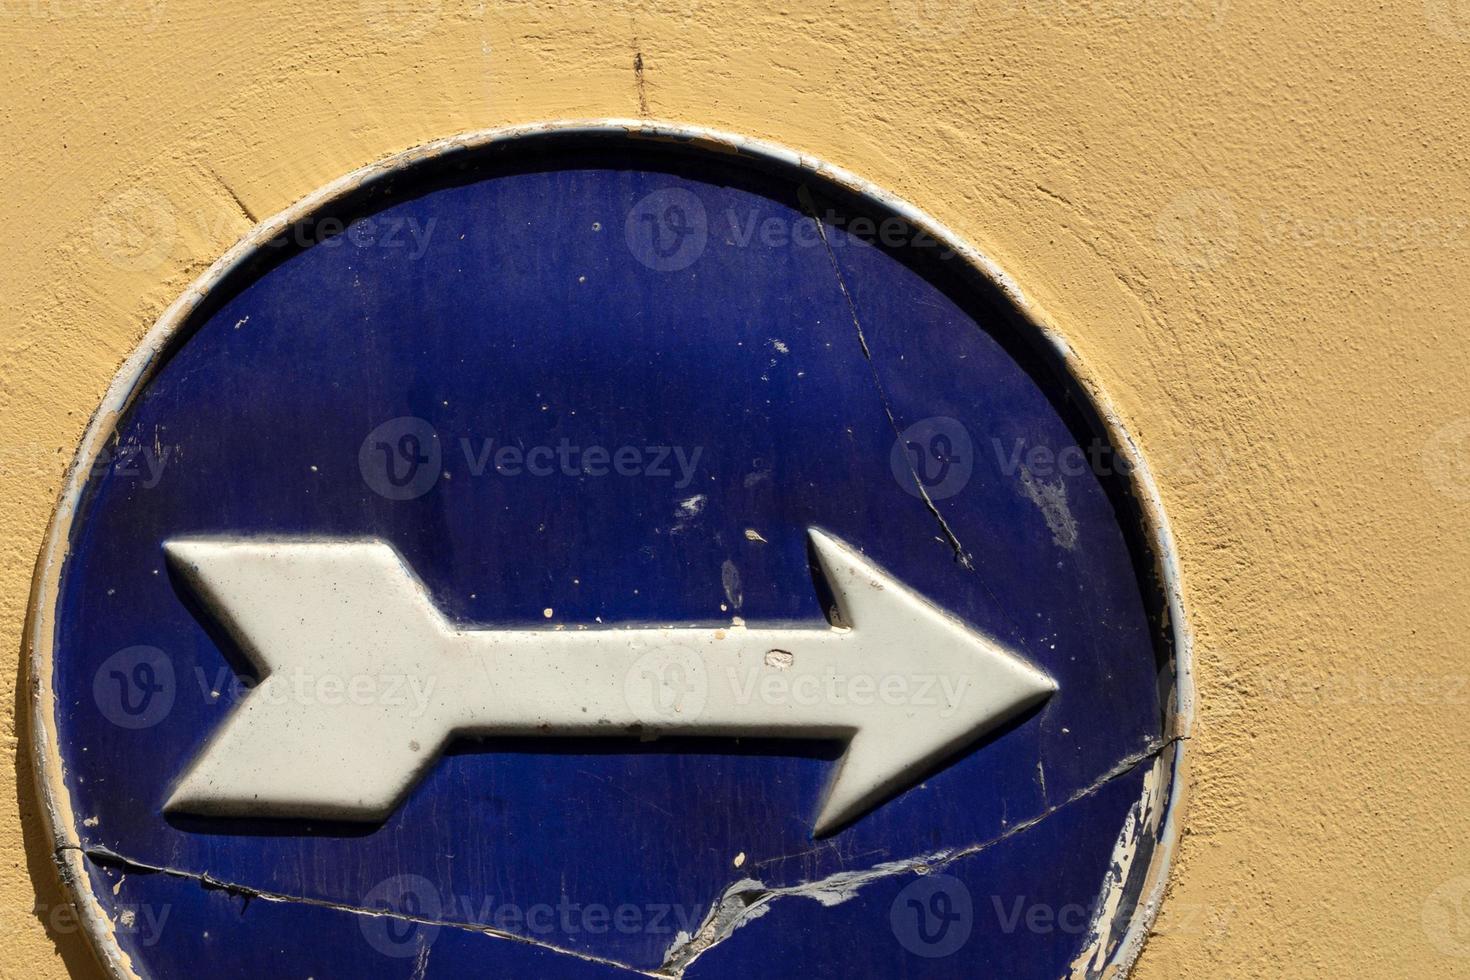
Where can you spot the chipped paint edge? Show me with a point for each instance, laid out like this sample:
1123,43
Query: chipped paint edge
56,809
1142,822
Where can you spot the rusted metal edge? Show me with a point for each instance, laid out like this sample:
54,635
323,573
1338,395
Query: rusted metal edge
137,370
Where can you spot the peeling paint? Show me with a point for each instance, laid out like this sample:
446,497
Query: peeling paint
1051,499
688,511
1142,823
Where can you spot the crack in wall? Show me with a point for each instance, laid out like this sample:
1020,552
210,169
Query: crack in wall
244,208
749,899
804,196
640,84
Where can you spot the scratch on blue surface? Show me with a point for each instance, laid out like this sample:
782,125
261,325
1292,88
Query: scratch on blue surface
960,554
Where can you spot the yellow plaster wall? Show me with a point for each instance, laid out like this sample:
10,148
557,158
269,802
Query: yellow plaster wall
1252,219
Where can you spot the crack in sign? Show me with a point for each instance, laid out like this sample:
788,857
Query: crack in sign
963,557
106,857
740,903
749,899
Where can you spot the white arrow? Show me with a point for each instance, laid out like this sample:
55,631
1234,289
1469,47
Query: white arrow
365,681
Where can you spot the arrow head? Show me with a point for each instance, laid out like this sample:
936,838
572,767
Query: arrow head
947,684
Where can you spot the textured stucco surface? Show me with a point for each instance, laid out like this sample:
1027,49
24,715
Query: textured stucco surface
1251,220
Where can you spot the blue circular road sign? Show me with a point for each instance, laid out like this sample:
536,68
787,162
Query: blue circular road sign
607,550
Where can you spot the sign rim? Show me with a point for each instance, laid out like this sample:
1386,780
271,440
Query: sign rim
57,814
